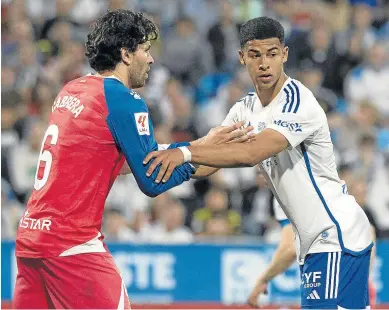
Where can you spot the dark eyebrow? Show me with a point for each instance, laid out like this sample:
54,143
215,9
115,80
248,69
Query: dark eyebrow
253,51
269,50
272,49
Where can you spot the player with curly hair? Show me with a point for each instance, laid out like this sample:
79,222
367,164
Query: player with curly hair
97,124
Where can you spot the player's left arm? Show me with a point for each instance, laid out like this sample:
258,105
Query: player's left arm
288,129
129,123
283,258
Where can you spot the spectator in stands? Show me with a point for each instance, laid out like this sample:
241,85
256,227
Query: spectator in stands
175,110
216,227
359,190
139,227
216,204
8,78
115,226
361,25
369,81
248,9
42,97
343,63
224,39
63,15
28,69
23,159
13,36
362,118
257,206
11,104
70,64
319,50
157,206
11,212
219,106
204,13
171,228
127,201
312,77
185,53
369,160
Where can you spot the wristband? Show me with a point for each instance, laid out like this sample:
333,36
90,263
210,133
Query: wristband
186,152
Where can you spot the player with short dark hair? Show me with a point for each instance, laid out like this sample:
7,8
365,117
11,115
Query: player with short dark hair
261,28
293,147
97,123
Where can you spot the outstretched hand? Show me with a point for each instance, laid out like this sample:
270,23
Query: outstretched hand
228,134
170,159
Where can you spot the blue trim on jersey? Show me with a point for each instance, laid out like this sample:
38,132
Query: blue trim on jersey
307,163
122,105
178,144
284,223
287,100
298,97
292,101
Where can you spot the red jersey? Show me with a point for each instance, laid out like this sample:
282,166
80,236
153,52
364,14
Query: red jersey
78,164
95,121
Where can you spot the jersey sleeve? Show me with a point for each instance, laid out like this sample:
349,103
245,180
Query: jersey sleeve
163,147
280,214
130,125
298,120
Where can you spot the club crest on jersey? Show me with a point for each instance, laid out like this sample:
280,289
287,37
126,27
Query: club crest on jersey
142,123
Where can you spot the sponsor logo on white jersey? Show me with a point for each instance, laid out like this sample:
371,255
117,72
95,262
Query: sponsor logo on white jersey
295,127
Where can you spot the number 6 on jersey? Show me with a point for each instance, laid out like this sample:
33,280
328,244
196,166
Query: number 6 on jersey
46,156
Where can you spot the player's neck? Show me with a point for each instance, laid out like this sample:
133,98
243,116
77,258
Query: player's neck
117,74
267,95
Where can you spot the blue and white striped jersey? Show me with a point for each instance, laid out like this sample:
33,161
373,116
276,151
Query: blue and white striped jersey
303,177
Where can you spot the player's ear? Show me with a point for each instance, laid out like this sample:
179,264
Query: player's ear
285,54
241,57
126,56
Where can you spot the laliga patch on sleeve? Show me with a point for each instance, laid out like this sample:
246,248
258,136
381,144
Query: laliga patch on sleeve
142,123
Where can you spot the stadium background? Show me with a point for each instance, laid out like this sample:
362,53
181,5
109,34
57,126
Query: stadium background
204,242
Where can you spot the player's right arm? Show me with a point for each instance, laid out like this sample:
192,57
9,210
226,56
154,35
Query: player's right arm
283,258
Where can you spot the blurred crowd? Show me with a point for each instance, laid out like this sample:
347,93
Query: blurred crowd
337,48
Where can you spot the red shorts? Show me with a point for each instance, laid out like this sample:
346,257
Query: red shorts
88,280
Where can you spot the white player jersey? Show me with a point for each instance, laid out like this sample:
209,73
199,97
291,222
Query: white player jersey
303,177
279,214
